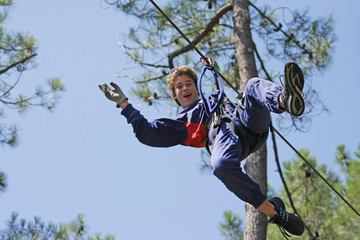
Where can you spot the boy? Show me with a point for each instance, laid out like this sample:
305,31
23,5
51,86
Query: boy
230,146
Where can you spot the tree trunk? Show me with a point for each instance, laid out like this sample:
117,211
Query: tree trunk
256,221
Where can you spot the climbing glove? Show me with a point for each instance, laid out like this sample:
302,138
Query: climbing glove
115,95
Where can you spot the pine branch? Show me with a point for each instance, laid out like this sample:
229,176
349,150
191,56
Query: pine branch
278,29
214,21
11,88
124,48
17,63
137,81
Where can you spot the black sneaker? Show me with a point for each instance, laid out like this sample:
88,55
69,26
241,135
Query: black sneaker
284,220
293,86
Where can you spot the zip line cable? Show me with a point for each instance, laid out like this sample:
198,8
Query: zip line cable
230,85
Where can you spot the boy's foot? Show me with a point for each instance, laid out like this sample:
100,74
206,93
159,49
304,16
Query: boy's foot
285,220
293,86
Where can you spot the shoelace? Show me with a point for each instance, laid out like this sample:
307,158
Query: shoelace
283,232
283,218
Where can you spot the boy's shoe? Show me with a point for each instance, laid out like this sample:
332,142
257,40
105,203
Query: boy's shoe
285,220
293,86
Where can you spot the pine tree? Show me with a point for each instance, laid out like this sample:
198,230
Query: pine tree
325,214
18,51
231,226
37,229
347,221
315,202
17,54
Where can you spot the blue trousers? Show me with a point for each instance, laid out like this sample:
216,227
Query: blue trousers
229,149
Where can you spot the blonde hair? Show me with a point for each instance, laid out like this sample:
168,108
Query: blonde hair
176,72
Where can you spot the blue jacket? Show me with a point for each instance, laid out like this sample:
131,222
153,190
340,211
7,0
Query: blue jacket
186,128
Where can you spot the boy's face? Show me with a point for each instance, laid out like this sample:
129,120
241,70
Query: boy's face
185,90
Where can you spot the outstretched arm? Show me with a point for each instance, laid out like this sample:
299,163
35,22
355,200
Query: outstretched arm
159,133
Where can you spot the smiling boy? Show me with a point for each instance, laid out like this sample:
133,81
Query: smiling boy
229,146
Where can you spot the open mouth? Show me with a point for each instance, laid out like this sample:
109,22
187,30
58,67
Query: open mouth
187,95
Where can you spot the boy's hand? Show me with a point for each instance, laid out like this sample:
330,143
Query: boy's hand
115,95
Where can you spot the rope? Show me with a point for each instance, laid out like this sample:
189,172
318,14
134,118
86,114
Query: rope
271,127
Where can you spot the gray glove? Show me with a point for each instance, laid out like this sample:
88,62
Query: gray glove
115,95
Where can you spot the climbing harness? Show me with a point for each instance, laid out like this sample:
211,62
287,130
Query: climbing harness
213,109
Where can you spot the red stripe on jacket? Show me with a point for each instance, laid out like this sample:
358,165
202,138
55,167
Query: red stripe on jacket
197,135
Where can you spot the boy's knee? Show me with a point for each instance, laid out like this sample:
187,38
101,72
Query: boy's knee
221,167
250,85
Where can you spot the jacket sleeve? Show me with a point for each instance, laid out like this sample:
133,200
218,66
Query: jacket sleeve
162,132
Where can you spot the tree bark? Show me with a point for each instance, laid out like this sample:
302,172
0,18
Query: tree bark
256,221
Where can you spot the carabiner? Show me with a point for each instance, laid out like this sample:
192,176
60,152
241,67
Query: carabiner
210,63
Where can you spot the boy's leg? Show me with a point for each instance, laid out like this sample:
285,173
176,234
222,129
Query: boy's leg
225,161
262,97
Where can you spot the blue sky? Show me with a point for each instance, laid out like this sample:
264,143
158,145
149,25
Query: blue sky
84,158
